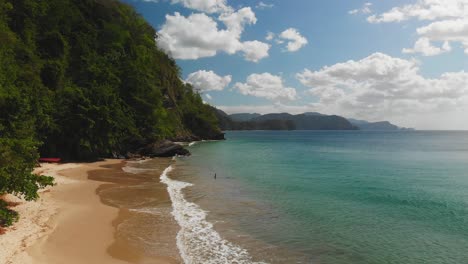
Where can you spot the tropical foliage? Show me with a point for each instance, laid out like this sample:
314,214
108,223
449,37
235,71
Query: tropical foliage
81,79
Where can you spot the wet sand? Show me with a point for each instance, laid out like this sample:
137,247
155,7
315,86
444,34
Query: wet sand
90,218
145,231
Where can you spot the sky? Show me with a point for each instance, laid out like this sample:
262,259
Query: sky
401,61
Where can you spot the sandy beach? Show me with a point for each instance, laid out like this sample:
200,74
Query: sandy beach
72,222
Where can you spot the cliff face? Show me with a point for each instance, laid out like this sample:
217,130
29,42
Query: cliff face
85,78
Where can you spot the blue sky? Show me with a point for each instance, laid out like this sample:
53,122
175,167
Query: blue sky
403,61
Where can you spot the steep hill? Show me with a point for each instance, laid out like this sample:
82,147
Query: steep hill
82,79
89,80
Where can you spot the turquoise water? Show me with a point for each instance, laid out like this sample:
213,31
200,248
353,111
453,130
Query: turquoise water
336,196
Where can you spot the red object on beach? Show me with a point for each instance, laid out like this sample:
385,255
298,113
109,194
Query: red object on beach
53,160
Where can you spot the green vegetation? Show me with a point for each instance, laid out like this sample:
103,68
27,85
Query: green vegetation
283,121
82,79
7,216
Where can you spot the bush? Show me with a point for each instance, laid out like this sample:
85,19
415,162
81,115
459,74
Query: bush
17,160
7,216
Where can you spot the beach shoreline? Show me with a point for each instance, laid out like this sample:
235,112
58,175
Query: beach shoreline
71,222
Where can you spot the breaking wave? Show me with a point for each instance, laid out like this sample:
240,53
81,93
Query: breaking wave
197,241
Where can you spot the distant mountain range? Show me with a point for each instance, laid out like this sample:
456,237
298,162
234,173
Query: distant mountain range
382,125
243,117
305,121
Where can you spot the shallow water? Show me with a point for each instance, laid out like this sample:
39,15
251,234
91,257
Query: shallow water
335,196
144,230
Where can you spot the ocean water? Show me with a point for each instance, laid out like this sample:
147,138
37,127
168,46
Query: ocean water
324,197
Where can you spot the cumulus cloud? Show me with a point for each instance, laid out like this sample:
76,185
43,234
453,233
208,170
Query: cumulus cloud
295,40
447,31
424,10
198,36
448,23
236,21
365,9
270,36
208,81
255,50
184,38
424,46
267,86
207,6
384,87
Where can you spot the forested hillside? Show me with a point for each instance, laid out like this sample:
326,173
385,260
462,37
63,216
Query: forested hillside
81,79
283,121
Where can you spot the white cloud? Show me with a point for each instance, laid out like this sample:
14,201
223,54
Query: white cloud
198,36
383,87
449,23
194,37
294,38
447,31
207,6
424,10
255,50
262,5
236,21
270,36
267,86
424,46
208,81
365,9
266,109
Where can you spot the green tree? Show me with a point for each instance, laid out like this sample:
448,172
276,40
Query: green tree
83,79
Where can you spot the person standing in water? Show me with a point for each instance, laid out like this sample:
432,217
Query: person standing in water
215,176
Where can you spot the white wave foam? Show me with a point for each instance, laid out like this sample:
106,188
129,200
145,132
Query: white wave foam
197,241
135,170
151,210
140,161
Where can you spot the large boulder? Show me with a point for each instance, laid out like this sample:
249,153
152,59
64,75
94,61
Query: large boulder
213,135
217,136
163,148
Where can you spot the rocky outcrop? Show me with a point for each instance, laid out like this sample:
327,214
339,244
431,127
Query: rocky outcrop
217,136
163,148
208,135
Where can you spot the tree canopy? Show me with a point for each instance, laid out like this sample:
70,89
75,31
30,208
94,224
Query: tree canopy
81,79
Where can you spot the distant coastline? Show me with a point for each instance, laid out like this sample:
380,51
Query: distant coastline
305,121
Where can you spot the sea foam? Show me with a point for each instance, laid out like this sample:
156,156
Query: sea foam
197,241
135,170
128,168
